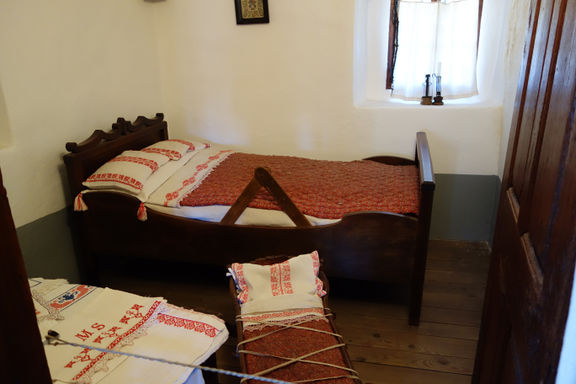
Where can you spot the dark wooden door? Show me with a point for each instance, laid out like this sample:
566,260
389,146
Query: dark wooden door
534,250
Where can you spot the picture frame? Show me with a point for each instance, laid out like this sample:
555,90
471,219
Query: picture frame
252,11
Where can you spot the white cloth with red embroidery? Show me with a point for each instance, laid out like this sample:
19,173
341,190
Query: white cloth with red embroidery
283,292
111,319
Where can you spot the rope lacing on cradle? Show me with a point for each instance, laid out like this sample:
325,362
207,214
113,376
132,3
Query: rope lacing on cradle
298,359
53,338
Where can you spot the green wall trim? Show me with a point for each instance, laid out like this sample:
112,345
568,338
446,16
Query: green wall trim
464,209
47,247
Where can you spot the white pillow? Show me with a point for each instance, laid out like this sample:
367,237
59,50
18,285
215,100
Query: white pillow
127,171
278,287
162,174
174,149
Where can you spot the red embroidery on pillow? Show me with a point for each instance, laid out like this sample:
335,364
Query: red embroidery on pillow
153,165
241,281
192,179
170,153
280,279
190,145
191,325
270,317
316,265
117,178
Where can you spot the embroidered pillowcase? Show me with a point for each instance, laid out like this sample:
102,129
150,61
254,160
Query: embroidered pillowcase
140,172
287,285
174,149
127,172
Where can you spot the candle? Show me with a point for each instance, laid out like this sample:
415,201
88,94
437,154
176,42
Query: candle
438,85
439,69
427,86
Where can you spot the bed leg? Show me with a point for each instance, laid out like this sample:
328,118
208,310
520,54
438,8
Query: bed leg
420,255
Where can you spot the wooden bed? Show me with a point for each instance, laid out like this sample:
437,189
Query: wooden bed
347,362
371,246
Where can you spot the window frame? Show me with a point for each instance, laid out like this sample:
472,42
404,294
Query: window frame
393,38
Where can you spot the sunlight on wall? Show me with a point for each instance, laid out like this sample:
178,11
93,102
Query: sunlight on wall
5,133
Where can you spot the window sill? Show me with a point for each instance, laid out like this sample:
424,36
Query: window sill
390,102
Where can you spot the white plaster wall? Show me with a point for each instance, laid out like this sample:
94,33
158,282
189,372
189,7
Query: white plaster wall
517,13
287,87
67,67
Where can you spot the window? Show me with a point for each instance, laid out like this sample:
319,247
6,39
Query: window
398,42
437,37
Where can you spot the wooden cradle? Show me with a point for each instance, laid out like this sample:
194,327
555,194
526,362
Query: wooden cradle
286,341
371,246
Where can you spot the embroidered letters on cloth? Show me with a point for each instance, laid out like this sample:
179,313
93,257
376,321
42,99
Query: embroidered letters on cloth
111,319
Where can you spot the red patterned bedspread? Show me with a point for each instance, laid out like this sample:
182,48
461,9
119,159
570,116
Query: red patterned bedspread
292,343
319,188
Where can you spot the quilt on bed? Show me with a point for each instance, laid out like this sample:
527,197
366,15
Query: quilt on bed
319,188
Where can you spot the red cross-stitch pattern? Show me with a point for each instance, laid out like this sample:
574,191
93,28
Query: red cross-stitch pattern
171,154
153,165
132,313
241,281
320,188
119,339
192,179
117,178
316,265
191,325
190,145
81,357
280,279
112,332
70,296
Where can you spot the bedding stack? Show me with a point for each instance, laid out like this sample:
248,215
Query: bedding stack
284,330
115,320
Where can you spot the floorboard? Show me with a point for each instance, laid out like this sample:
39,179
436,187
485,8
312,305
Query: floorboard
383,347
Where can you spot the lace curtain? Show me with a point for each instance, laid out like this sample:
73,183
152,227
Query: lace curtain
438,38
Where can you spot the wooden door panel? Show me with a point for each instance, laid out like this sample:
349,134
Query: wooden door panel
528,125
534,254
550,169
521,279
522,89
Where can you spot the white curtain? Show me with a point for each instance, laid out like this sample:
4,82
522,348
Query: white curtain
436,38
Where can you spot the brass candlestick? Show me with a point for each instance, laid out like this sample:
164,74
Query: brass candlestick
427,98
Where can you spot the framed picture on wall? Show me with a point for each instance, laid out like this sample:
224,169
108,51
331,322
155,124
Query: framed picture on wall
251,11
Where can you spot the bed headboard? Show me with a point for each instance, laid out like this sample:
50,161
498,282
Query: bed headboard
85,157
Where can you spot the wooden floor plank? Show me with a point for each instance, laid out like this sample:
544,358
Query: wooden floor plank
407,341
383,347
410,359
387,374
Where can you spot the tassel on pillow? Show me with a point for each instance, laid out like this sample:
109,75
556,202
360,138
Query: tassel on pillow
79,204
142,214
